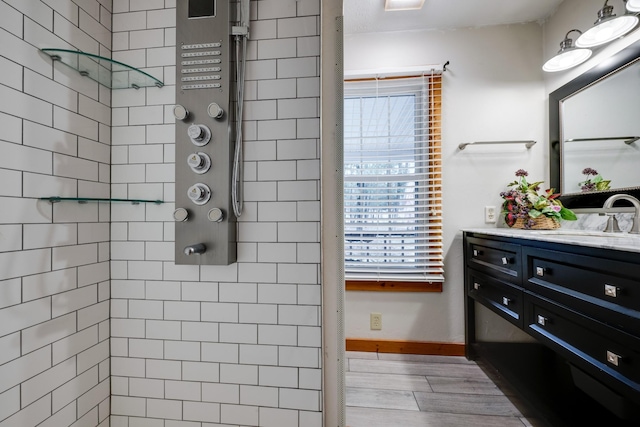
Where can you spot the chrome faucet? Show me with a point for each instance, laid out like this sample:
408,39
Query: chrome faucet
198,248
611,224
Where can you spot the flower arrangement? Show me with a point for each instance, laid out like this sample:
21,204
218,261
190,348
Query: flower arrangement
594,181
523,201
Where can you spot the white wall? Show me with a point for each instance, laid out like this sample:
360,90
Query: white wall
54,259
237,345
492,90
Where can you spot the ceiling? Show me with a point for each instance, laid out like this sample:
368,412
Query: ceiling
366,16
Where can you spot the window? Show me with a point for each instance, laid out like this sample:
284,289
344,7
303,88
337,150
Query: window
392,183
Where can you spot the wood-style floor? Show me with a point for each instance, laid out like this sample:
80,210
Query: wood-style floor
389,390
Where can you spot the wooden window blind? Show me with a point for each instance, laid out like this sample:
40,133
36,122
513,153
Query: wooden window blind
393,179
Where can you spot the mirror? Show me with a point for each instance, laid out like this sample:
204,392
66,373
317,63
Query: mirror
594,123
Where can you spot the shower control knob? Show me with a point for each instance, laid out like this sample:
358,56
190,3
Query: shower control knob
199,162
200,135
199,193
180,112
215,111
181,215
215,215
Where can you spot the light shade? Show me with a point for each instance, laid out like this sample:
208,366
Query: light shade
608,27
568,56
392,5
633,5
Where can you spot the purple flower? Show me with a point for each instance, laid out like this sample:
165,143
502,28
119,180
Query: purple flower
556,208
589,171
522,172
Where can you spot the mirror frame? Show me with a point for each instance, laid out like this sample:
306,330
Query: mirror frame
607,66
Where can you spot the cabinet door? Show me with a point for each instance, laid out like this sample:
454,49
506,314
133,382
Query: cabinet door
605,289
503,298
607,354
495,258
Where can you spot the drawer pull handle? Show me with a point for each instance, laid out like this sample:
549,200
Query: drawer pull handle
542,320
611,291
506,301
476,286
477,252
613,358
505,260
539,271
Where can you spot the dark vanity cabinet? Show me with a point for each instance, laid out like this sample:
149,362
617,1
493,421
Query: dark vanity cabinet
582,307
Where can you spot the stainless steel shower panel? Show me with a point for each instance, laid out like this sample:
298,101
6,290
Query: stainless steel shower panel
204,76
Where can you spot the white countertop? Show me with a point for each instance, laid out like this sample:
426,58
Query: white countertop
597,239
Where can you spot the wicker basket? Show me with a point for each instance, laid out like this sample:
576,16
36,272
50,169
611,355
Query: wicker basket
540,223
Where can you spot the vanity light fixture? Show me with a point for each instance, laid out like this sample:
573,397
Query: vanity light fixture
393,5
568,56
633,6
608,27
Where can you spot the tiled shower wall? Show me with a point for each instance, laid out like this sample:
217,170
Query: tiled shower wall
54,259
236,345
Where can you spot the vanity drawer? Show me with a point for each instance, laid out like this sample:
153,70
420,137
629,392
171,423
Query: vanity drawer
495,258
605,289
607,354
503,298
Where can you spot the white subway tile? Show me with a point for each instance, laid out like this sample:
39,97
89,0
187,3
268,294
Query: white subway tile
146,115
297,67
311,379
238,374
32,415
44,383
276,48
260,191
74,123
182,350
201,411
277,335
72,212
11,294
11,182
199,291
308,400
127,250
23,52
298,108
41,285
160,173
93,150
308,128
278,377
221,393
10,238
160,134
119,308
21,158
73,256
127,289
298,190
276,129
128,173
24,263
128,135
298,232
161,56
132,328
261,70
201,371
298,273
162,290
238,292
182,390
258,354
277,294
180,310
146,4
9,401
309,294
88,401
146,39
143,387
146,154
74,167
300,357
92,233
130,406
160,251
11,19
216,273
258,313
142,309
93,356
308,87
258,272
263,29
168,409
308,46
308,7
127,367
308,211
247,252
257,151
129,21
273,417
146,349
161,18
25,367
200,331
270,9
145,270
276,171
258,396
48,90
219,352
160,329
238,333
180,272
73,300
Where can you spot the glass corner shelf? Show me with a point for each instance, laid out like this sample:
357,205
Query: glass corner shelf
107,72
82,200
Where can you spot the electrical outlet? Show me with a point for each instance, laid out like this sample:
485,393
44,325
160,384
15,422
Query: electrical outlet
490,215
376,321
